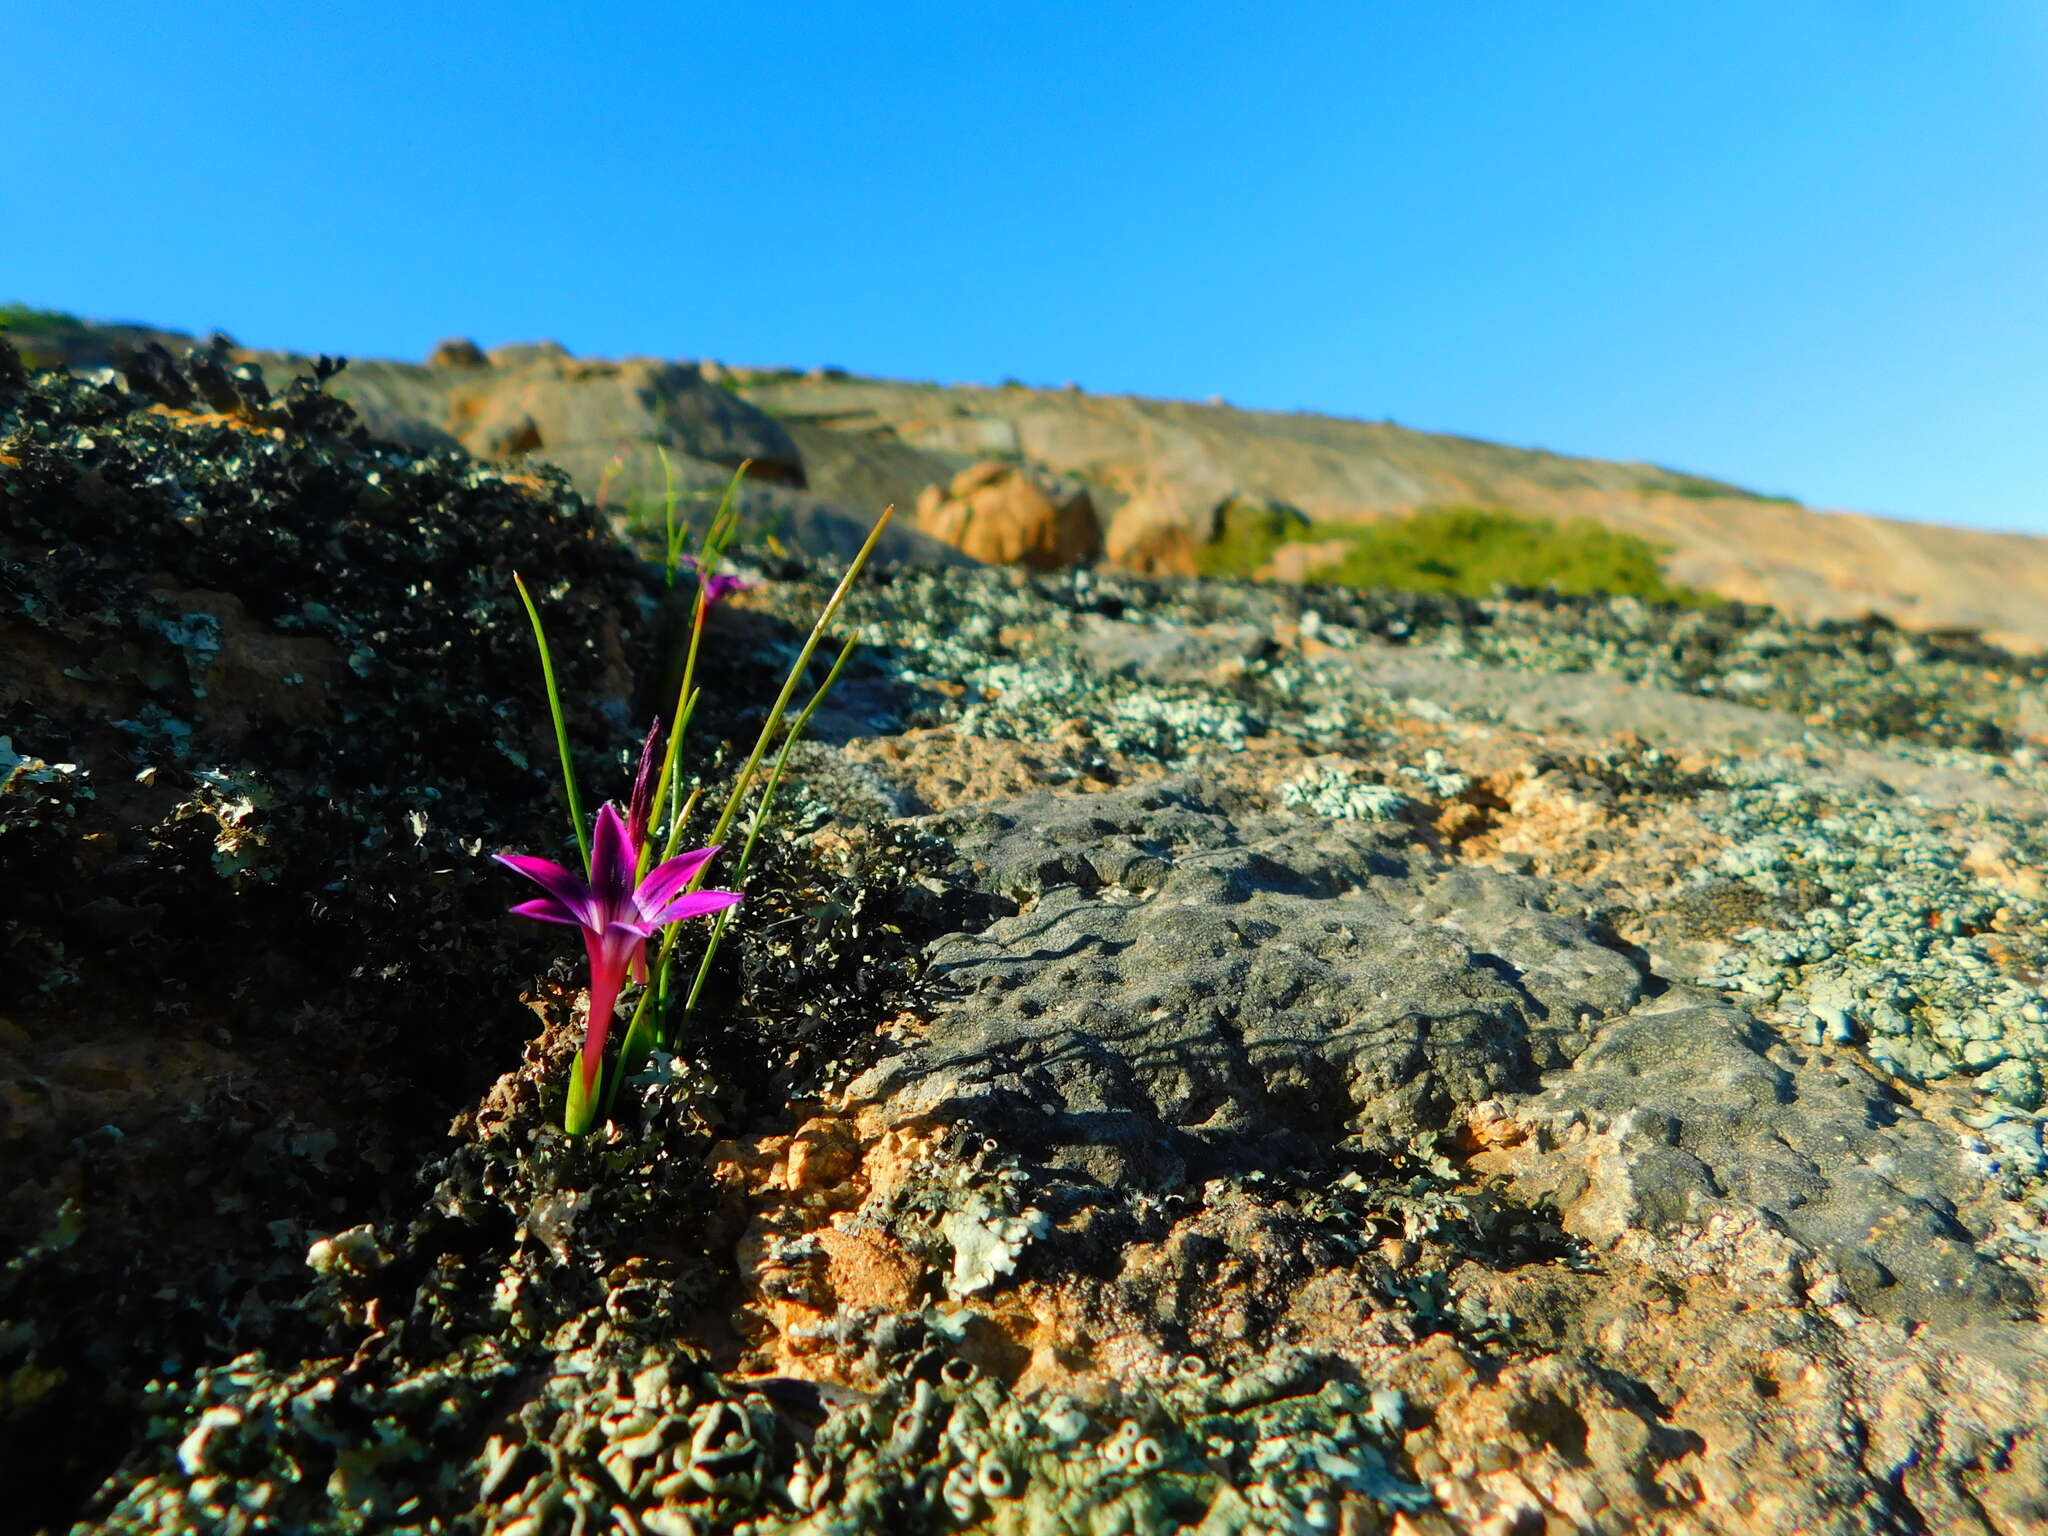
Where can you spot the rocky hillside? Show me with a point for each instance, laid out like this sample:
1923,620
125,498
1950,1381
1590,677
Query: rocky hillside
1196,1056
1053,477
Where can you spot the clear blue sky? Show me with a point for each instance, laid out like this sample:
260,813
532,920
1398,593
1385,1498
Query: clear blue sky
1801,244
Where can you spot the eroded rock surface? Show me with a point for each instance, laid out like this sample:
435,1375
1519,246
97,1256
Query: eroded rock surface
1186,989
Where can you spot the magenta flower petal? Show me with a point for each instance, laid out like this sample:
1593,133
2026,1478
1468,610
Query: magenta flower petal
566,886
696,904
718,588
664,880
612,954
613,857
547,910
614,951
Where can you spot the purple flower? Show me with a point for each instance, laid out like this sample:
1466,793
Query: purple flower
617,916
720,586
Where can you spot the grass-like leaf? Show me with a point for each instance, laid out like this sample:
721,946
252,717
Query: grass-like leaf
547,672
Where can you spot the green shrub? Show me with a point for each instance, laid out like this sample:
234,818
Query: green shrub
26,317
1698,488
1247,533
1471,550
1467,550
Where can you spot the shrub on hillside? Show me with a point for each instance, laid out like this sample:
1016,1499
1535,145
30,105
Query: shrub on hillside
1466,550
26,317
1247,533
1472,550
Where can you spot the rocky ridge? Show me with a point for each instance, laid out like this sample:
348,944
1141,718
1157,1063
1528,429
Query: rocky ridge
1236,1058
1156,477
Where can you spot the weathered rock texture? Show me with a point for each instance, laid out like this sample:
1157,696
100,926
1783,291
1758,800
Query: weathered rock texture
1175,462
1227,1058
1003,515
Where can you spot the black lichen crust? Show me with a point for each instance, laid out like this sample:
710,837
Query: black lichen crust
270,703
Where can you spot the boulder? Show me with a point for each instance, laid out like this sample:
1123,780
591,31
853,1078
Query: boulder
1139,1026
1165,529
1158,531
457,352
1005,514
581,414
518,354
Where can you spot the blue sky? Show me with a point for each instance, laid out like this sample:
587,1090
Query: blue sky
1802,245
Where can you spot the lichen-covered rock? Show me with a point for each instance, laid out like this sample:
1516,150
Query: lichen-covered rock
1161,530
268,704
1197,1056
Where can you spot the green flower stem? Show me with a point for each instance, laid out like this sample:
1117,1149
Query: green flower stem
547,672
803,660
636,1047
746,857
667,788
671,539
641,1033
660,974
580,1113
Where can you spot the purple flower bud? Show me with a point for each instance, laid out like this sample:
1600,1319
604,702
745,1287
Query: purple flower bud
640,808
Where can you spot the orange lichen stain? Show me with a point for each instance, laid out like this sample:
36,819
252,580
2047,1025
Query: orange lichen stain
195,420
865,1269
533,483
805,1254
1488,1127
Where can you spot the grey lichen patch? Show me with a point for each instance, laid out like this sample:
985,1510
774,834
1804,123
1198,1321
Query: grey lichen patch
237,807
1897,944
986,1244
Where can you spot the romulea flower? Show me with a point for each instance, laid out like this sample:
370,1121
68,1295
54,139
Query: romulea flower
719,586
617,915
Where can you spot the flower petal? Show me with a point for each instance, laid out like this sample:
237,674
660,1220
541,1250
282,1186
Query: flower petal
718,588
695,904
547,910
613,858
664,880
566,886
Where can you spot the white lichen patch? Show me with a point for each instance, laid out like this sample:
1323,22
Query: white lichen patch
1342,792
